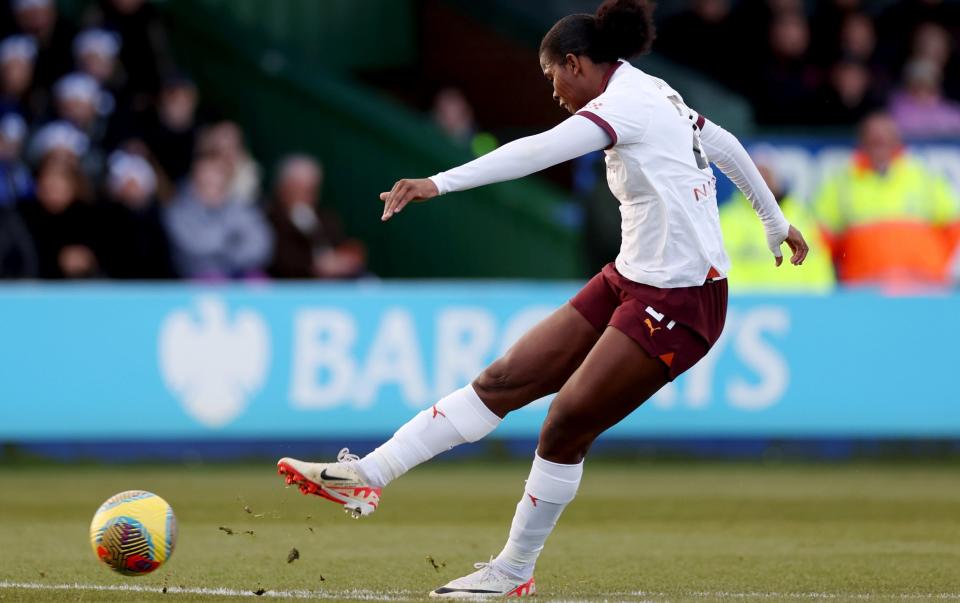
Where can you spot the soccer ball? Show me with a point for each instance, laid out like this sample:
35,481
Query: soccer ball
134,532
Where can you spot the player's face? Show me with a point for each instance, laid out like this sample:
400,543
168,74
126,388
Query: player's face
567,86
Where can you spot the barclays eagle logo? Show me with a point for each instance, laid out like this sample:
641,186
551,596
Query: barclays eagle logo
214,364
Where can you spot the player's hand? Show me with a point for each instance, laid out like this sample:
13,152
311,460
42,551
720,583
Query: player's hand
797,245
405,191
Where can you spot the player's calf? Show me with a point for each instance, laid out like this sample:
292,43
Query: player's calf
565,437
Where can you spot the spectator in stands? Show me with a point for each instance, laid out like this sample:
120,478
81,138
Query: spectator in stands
848,96
858,38
145,52
16,183
858,42
95,53
454,115
81,103
212,235
17,57
790,81
906,23
65,228
933,42
225,139
751,265
137,247
919,108
309,242
58,138
18,259
171,130
828,20
705,24
889,219
751,23
54,36
165,190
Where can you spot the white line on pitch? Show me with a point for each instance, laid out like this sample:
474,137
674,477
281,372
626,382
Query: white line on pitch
366,595
789,595
399,595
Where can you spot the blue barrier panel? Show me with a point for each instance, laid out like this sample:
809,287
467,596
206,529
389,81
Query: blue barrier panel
355,361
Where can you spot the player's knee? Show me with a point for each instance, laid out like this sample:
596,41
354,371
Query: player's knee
495,381
565,437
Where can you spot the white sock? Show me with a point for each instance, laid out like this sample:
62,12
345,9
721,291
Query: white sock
550,487
456,419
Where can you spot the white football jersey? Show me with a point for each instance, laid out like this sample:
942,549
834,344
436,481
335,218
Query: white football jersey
657,169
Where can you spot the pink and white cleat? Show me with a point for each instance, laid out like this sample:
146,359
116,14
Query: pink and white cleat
339,482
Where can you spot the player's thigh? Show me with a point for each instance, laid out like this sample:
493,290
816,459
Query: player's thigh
539,363
615,378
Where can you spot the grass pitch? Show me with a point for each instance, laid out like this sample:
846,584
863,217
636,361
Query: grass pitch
644,532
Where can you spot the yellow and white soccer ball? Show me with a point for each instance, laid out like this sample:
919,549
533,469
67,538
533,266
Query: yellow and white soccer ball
134,532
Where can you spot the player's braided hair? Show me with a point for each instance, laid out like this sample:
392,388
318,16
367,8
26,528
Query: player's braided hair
619,29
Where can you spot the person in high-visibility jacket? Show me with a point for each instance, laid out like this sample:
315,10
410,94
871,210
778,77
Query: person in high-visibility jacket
889,219
750,265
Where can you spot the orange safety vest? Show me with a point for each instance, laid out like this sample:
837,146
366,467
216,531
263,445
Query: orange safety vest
894,227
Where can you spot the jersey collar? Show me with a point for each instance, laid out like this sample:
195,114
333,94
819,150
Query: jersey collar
609,74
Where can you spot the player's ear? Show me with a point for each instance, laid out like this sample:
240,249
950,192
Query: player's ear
572,62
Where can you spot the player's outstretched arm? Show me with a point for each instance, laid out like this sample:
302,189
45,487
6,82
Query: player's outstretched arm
728,154
572,138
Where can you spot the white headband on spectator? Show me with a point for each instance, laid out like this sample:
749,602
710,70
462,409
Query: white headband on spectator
127,166
96,41
18,47
58,135
19,5
77,86
12,127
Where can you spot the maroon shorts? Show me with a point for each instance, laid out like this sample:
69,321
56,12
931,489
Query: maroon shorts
678,326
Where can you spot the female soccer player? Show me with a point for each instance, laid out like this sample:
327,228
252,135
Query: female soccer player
638,324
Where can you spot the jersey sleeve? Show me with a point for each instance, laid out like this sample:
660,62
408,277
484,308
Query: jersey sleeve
571,138
621,119
728,154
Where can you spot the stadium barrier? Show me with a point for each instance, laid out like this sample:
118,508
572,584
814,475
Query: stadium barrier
326,362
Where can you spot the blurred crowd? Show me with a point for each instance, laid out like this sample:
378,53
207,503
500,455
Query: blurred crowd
884,218
111,168
828,62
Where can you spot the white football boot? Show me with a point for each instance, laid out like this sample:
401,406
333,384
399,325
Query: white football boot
486,582
339,482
